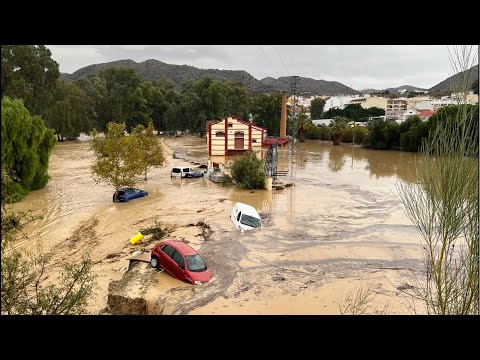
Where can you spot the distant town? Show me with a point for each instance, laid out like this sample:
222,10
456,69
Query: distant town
397,108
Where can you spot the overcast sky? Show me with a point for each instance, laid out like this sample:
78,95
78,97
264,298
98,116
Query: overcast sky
358,66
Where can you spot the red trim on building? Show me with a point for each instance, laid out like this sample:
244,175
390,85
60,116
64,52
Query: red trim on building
226,135
209,139
250,137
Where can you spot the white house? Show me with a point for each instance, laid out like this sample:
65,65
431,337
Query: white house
324,122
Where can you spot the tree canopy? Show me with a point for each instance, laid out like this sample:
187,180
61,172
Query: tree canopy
28,72
316,108
26,147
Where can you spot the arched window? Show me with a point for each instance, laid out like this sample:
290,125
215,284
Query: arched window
239,134
220,134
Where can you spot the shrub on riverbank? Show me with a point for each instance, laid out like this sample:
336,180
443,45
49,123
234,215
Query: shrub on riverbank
247,171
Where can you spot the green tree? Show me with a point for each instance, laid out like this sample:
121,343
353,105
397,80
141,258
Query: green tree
151,154
28,72
267,110
316,108
357,133
26,147
414,137
337,128
382,135
117,157
303,121
139,111
238,100
22,291
72,112
205,99
247,171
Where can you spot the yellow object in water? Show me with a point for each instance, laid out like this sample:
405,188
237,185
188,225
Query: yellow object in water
136,238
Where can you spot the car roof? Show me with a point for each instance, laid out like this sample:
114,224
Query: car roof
247,209
182,247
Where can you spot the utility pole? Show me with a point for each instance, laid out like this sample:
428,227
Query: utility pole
293,122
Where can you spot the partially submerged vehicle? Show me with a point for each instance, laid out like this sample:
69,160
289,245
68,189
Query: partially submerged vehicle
185,172
215,174
126,194
181,261
245,217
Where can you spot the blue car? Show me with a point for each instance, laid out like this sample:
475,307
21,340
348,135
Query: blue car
126,194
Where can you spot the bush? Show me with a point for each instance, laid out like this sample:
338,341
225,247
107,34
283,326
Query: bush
383,135
360,134
317,133
413,138
247,171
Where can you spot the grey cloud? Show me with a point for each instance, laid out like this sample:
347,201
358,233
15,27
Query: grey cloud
359,66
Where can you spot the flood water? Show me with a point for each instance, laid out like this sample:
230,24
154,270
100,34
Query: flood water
339,226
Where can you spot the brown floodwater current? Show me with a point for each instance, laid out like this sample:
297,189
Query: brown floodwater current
340,227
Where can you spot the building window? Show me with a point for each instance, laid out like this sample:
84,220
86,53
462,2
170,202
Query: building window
220,134
239,134
254,140
230,124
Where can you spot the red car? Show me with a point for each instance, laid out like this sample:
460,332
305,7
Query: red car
181,261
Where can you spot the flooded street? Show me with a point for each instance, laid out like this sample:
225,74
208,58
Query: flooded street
341,226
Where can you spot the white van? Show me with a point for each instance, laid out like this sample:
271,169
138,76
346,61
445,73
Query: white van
180,172
245,217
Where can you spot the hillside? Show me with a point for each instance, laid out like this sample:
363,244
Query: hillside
310,86
154,70
447,84
394,89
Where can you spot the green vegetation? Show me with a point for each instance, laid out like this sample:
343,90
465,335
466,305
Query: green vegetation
354,112
158,230
303,122
247,171
22,290
119,159
317,132
29,73
409,136
316,108
443,205
267,110
354,134
151,152
383,135
337,127
26,147
72,112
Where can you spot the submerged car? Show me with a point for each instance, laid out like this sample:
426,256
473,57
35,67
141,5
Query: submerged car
127,194
215,175
245,217
181,261
185,172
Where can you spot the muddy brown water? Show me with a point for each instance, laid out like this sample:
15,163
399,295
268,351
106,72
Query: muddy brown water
340,227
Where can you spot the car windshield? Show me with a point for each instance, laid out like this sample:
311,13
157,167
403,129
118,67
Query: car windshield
250,221
196,263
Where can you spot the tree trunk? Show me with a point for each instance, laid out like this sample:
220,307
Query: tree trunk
145,174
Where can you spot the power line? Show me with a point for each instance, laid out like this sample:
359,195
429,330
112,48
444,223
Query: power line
281,59
273,67
293,121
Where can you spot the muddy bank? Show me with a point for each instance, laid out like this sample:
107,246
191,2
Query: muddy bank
339,226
